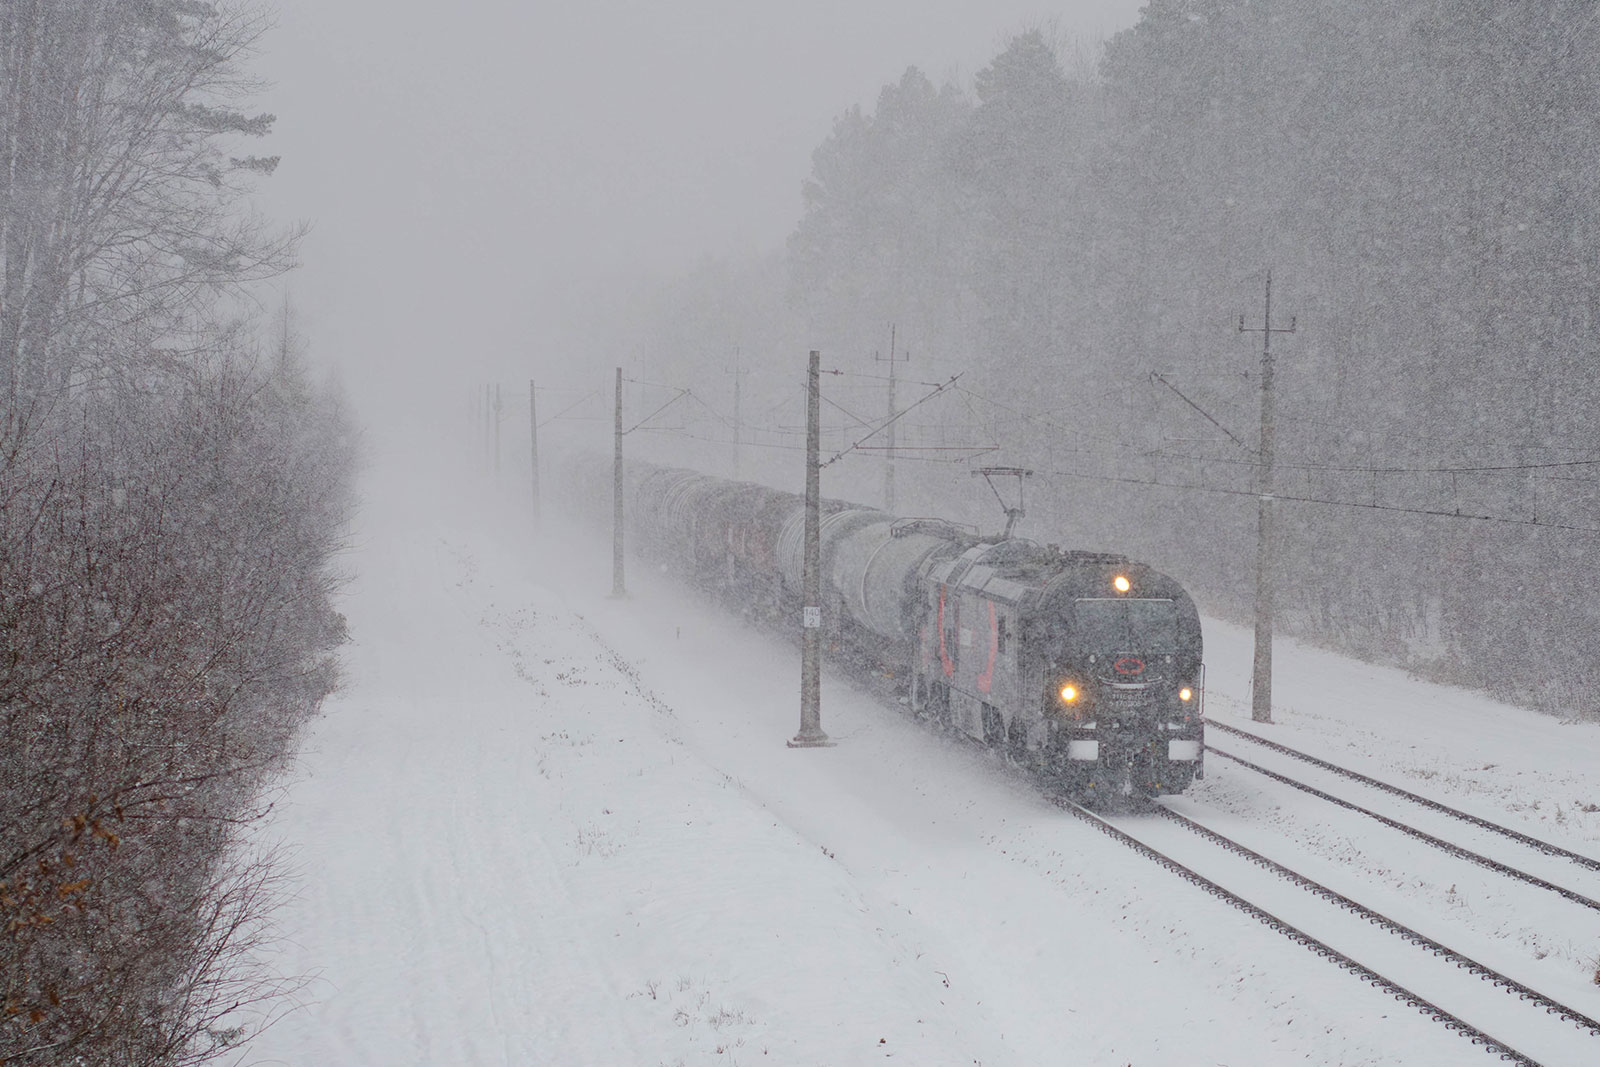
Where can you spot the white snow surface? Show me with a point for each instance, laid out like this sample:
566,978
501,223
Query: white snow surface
543,826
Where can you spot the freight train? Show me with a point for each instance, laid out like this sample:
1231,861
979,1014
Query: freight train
1084,667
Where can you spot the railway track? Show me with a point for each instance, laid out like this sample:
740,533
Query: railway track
1426,802
1453,848
1323,918
1503,1016
1439,843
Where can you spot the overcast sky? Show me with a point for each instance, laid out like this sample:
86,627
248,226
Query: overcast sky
463,164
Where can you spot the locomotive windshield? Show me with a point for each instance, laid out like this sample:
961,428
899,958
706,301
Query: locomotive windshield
1127,625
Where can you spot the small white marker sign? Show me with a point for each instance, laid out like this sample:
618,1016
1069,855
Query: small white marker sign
813,617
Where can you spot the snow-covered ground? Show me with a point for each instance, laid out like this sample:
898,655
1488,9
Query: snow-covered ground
543,826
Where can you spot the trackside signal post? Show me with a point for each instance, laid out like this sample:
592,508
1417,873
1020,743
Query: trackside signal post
811,735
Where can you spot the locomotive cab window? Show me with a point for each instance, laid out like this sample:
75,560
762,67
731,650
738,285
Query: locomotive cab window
1126,625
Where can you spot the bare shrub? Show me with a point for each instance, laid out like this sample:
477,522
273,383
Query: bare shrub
165,628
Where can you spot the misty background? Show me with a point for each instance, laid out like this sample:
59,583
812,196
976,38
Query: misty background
479,171
711,190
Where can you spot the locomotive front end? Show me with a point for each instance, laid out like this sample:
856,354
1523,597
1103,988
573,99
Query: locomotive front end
1122,684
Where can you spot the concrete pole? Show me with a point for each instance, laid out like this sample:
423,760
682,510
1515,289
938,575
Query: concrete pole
617,587
1261,674
737,416
533,438
811,735
888,467
888,455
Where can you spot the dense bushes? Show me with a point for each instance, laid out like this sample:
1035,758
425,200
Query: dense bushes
165,626
171,501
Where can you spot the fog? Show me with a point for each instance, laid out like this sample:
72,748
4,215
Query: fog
470,173
679,191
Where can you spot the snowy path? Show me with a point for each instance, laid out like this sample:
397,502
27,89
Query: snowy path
546,827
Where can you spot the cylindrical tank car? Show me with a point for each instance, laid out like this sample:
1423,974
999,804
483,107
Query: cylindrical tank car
1084,666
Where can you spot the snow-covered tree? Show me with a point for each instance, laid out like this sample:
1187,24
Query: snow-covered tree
881,239
121,168
171,498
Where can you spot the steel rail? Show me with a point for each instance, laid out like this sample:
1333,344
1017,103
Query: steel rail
1405,933
1421,835
1454,1023
1456,813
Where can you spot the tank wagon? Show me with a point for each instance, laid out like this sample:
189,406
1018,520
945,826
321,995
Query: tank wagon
1083,666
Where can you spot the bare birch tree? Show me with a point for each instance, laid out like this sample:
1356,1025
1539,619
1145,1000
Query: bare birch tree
120,182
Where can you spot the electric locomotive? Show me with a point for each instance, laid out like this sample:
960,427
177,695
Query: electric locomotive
1082,666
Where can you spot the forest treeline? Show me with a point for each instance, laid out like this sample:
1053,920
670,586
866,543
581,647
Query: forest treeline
1421,181
172,493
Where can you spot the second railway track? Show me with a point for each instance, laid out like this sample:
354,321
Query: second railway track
1506,1017
1440,843
1428,803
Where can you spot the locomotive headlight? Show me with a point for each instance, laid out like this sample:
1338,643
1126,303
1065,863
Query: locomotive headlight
1186,694
1121,584
1069,693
